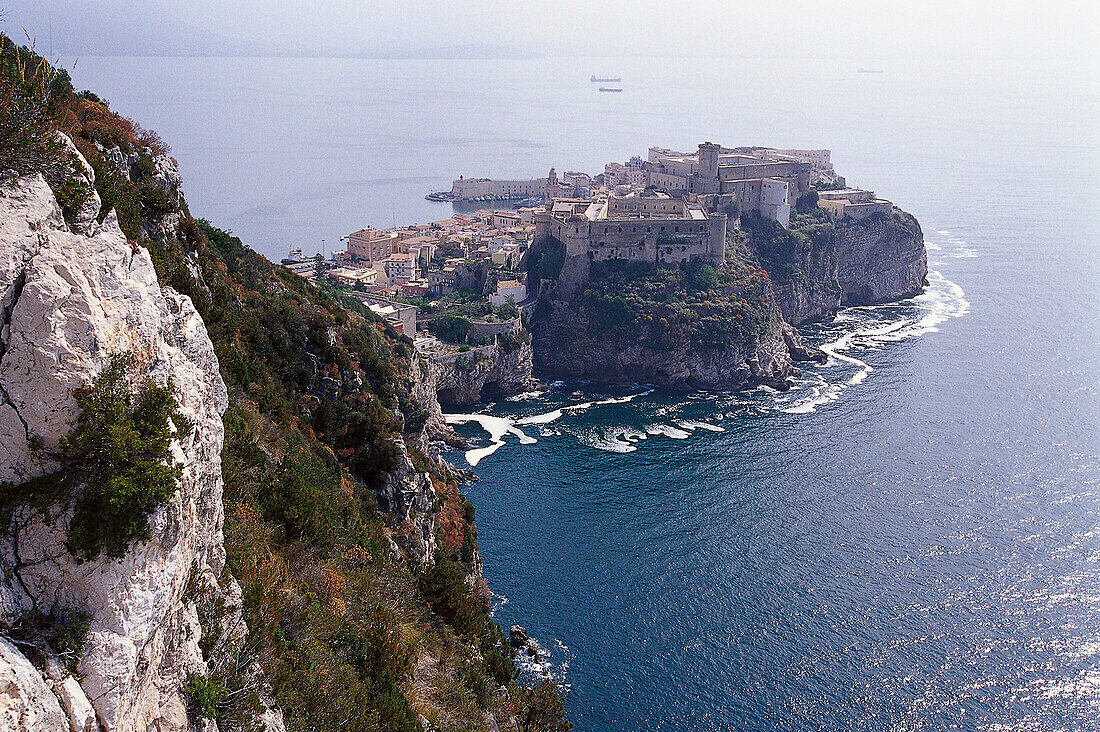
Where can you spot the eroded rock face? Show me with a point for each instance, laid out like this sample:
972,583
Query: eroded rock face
467,378
808,290
69,301
26,702
880,259
567,345
410,497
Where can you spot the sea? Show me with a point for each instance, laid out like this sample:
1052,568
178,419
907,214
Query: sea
907,540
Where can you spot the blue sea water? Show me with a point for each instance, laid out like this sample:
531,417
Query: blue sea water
909,540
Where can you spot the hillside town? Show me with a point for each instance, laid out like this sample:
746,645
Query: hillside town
669,207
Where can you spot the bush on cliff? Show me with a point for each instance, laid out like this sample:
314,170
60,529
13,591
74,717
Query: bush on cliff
450,327
343,632
669,307
30,90
116,464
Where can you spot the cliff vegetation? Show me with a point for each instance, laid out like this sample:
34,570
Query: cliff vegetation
360,617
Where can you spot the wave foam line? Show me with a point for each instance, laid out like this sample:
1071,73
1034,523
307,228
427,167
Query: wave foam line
941,300
667,430
555,414
692,425
497,427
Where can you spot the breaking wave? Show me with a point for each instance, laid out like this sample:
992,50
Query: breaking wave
847,341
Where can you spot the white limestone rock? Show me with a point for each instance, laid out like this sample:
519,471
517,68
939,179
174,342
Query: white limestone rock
68,302
26,702
85,220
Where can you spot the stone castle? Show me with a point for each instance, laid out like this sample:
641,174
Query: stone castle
647,227
763,180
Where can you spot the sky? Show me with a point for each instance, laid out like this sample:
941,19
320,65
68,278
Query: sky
866,29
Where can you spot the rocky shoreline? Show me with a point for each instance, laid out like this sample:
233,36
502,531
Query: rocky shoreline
879,259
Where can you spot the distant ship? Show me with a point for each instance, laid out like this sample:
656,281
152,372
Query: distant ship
604,78
611,89
869,71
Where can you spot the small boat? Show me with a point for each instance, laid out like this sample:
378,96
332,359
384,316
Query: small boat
595,78
611,89
441,196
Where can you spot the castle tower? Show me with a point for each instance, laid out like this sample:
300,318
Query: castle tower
552,189
708,160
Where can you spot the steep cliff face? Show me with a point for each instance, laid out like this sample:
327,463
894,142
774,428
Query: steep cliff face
469,377
880,259
69,302
818,266
569,344
805,283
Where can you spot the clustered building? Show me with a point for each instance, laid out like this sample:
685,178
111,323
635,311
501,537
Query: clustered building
645,227
669,207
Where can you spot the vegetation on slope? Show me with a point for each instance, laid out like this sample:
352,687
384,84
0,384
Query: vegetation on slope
351,637
664,307
116,464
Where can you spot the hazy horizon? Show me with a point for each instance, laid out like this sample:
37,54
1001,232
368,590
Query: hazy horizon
859,30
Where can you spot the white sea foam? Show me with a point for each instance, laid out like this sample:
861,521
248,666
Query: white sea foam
540,418
525,395
497,427
667,430
942,299
609,441
692,425
553,415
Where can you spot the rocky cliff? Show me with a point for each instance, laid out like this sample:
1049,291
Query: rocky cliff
71,298
818,265
468,377
569,344
687,329
802,268
880,259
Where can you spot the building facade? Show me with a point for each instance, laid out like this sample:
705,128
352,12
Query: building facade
652,227
372,245
754,180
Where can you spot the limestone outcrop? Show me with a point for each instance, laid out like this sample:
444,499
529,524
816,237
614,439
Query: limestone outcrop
880,259
466,378
806,287
567,345
70,299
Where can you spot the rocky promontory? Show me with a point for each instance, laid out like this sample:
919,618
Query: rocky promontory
727,327
880,259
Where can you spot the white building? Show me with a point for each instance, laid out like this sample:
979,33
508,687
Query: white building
400,268
354,276
506,289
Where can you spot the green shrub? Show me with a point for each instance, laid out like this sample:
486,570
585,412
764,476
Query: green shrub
118,194
444,587
30,94
550,263
699,274
68,637
544,709
204,694
116,464
450,327
806,203
512,342
467,364
71,195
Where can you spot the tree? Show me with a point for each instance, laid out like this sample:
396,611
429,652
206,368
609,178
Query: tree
450,327
117,466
